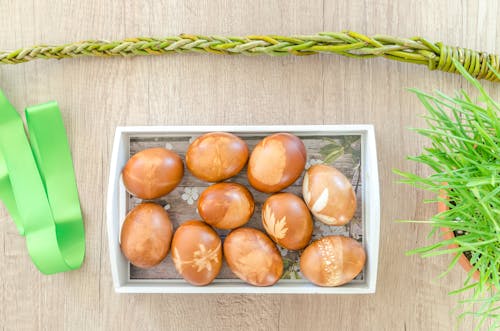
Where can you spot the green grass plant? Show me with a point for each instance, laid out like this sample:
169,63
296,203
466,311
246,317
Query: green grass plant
464,155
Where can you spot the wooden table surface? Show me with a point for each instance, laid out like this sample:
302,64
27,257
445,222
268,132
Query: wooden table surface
96,95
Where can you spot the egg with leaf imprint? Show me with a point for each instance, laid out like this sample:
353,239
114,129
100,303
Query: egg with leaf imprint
153,173
287,220
253,257
276,162
197,252
226,205
332,261
216,156
329,195
146,234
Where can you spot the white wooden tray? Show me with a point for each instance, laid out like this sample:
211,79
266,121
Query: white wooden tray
357,160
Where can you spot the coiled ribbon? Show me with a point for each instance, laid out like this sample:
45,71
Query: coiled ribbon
38,186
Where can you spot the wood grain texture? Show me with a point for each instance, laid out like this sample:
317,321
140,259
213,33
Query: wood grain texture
96,95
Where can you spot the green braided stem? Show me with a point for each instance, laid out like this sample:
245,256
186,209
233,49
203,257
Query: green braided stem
414,50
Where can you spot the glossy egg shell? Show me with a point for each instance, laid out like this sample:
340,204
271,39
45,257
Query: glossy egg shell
276,162
146,234
152,173
332,261
216,156
253,257
287,220
197,252
226,205
329,195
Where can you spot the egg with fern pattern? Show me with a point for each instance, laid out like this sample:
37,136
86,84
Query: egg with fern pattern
287,220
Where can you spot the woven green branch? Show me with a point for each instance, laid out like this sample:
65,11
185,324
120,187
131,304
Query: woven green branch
417,50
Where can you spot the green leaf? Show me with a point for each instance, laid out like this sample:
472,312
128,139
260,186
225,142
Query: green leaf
331,152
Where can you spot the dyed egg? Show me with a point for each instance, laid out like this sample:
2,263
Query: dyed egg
152,173
332,261
276,162
197,252
216,156
287,220
146,234
253,257
329,195
226,205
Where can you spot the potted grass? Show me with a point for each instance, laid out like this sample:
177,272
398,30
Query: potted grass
464,157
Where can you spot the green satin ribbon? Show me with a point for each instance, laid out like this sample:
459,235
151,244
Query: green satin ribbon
38,186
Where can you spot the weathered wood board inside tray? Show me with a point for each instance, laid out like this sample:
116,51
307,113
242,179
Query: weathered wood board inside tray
343,152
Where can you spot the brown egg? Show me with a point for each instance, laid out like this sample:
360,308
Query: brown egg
253,257
287,220
276,162
216,156
146,235
197,252
329,195
332,261
152,173
226,205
